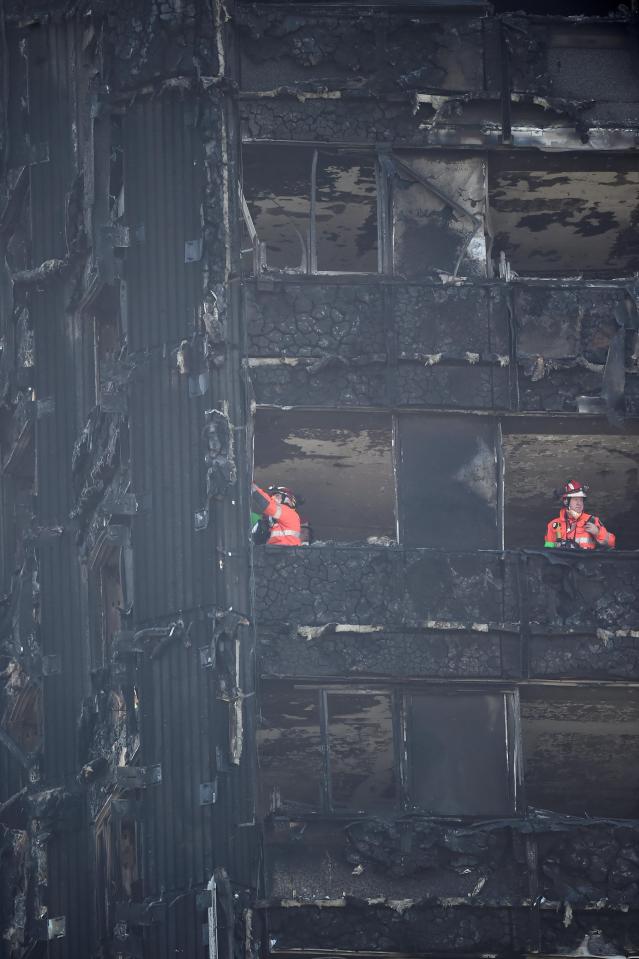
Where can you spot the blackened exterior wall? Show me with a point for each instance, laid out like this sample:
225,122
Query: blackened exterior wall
139,628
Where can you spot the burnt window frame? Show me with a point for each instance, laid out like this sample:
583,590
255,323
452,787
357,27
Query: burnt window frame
388,164
404,802
325,806
308,265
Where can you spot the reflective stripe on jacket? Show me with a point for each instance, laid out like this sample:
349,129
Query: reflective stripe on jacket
285,521
564,529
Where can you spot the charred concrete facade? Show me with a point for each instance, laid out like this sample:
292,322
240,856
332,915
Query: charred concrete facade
387,255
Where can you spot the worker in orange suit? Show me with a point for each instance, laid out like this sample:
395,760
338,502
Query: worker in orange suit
277,504
574,528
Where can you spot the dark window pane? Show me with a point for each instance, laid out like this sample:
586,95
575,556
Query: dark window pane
360,729
447,482
289,744
346,213
458,753
579,746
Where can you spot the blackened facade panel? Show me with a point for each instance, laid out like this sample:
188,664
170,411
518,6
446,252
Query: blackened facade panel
51,63
374,586
50,58
163,179
199,816
174,562
179,729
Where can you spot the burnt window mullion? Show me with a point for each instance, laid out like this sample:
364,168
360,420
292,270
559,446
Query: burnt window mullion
384,218
326,798
312,224
399,746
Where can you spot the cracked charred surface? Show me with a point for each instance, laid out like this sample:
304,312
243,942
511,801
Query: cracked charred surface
603,656
394,927
411,858
446,614
563,338
328,584
314,319
375,49
549,58
386,343
325,118
416,858
427,653
403,927
566,597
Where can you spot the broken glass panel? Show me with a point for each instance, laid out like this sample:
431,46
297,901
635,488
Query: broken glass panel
360,732
458,753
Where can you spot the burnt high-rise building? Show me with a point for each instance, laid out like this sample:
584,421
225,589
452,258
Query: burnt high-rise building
384,254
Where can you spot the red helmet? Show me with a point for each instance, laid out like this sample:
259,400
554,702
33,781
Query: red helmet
573,488
288,496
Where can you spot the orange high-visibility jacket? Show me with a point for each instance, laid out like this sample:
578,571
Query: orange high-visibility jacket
564,528
285,525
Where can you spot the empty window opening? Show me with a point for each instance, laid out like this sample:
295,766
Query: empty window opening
361,755
311,210
277,189
329,750
290,748
577,743
536,465
438,214
462,752
339,463
345,213
339,750
565,216
447,481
